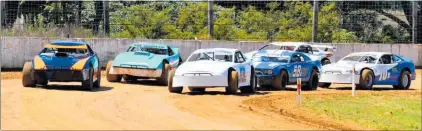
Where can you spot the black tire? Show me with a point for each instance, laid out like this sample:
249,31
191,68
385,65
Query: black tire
280,82
97,83
325,62
312,84
366,80
402,84
197,89
324,85
170,83
26,75
252,84
112,77
164,74
233,83
89,84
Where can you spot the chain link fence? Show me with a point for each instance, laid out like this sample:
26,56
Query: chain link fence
337,21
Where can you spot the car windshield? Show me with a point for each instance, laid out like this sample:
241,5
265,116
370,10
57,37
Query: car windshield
352,58
49,50
213,56
157,51
283,59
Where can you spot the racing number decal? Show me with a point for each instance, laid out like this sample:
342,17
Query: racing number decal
297,71
384,75
242,75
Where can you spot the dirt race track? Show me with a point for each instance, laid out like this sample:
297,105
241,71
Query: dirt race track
140,105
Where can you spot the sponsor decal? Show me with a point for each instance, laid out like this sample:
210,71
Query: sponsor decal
297,71
384,75
242,75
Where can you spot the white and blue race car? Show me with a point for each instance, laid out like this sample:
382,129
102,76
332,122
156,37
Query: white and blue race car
371,68
322,53
278,68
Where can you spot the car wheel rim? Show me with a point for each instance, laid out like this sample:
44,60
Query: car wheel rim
369,80
405,80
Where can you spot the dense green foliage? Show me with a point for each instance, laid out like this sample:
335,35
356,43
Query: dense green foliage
339,22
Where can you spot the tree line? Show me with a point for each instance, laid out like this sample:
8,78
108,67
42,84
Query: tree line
343,22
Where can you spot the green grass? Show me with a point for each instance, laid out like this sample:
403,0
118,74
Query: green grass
384,111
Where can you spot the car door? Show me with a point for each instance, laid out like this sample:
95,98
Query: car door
243,68
386,70
299,68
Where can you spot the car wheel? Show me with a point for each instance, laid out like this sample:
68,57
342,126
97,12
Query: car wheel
233,83
404,80
112,77
253,83
89,84
312,83
97,83
325,62
324,85
366,80
26,75
197,89
280,82
164,74
170,83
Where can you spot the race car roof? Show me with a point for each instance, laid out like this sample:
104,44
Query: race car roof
68,43
150,45
216,50
299,43
378,54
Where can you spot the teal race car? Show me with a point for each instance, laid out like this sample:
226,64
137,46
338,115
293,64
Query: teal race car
144,61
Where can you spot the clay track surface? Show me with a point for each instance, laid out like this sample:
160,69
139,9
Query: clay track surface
141,105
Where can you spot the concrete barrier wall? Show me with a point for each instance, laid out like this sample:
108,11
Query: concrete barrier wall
15,51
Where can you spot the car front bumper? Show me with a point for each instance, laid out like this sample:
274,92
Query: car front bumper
60,75
265,79
338,78
200,81
151,73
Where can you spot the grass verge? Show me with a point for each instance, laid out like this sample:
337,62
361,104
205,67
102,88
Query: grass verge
386,110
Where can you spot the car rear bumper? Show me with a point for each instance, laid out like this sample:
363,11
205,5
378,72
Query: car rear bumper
200,81
338,78
60,75
151,73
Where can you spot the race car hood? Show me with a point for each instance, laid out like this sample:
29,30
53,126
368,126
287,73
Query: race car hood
344,66
213,67
268,65
139,60
54,61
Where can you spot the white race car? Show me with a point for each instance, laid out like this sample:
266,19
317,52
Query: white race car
215,67
371,68
322,53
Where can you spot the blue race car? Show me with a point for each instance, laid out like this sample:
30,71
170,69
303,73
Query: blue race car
63,61
278,68
371,68
144,61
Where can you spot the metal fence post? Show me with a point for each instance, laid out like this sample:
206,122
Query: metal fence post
106,22
210,18
414,22
315,21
